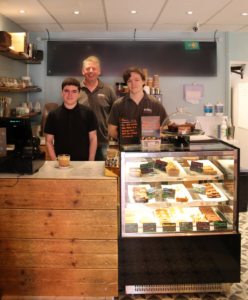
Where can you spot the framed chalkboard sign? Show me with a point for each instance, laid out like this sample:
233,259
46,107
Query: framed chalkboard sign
164,58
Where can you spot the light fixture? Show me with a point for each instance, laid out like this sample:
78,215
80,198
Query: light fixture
133,12
12,47
76,12
244,14
190,12
22,11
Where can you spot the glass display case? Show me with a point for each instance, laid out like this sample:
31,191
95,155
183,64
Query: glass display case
173,192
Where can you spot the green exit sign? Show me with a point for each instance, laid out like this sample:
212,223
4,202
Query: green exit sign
190,45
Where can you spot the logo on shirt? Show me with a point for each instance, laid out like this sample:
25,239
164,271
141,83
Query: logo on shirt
101,95
147,110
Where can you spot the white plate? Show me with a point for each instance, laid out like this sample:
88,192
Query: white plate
184,190
140,214
130,192
206,163
222,196
227,164
65,167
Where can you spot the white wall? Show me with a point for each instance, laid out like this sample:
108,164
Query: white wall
238,52
10,68
172,87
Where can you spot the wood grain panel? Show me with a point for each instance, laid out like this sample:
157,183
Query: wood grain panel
58,194
41,246
54,282
58,217
88,232
59,261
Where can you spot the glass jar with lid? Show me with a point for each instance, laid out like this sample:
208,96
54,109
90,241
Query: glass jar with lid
119,87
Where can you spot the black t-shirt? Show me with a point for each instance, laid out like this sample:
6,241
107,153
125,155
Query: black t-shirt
71,128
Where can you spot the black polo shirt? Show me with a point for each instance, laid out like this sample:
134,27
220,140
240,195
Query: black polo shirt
127,108
100,100
71,128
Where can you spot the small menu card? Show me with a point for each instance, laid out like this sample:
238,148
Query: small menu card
196,166
150,127
129,132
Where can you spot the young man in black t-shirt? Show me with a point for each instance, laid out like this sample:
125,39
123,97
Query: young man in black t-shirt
72,126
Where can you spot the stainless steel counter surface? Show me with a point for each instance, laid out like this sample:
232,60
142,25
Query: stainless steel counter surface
77,170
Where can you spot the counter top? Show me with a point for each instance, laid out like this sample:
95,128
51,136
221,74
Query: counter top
77,170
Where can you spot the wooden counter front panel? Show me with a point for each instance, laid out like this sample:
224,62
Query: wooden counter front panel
50,282
58,237
58,194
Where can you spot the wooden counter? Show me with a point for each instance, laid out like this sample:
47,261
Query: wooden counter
58,233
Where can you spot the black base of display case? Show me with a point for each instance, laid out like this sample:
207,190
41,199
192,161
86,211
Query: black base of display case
179,260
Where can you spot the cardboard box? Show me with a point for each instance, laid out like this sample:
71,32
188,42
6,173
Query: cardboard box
19,41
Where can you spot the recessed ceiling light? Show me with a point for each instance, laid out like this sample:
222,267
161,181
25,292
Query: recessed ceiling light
244,14
76,12
22,11
133,12
190,12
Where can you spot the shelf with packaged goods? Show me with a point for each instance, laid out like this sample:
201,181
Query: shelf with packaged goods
19,90
31,114
5,51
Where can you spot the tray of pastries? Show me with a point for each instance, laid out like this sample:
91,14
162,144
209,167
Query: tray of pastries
137,193
209,169
209,213
213,193
181,193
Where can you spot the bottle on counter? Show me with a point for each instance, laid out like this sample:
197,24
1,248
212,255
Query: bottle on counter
218,109
208,109
223,129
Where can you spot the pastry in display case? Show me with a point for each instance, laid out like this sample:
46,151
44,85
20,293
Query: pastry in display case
179,192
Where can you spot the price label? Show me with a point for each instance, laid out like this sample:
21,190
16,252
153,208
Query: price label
151,193
202,226
199,189
160,165
168,227
149,227
184,129
220,225
146,168
196,166
169,193
186,226
131,227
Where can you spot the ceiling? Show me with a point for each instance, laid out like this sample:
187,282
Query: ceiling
114,15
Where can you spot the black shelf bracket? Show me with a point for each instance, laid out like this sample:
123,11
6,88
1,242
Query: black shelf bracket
238,70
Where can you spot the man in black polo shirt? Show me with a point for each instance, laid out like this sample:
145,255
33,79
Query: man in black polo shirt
136,104
72,126
100,97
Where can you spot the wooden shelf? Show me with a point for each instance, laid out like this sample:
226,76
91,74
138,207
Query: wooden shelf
32,114
19,90
5,51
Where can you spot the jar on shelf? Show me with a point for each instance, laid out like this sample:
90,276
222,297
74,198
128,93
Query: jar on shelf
119,87
11,83
16,85
19,81
125,89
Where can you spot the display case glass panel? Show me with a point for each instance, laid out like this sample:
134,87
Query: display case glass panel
175,192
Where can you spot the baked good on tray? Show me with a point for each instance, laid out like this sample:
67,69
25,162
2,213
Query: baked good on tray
162,215
139,194
226,209
211,191
129,218
146,220
135,172
172,169
198,218
173,127
181,197
208,170
209,213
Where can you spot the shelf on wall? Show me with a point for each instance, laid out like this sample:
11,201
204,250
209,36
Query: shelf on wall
5,51
31,114
19,90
